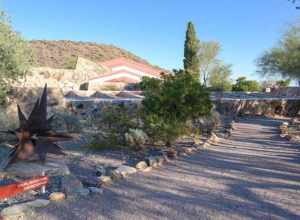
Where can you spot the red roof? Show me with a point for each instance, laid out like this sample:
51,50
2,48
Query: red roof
133,64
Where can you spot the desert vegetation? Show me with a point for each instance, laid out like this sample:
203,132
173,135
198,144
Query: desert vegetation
16,56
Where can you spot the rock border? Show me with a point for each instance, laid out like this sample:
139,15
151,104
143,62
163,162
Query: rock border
145,165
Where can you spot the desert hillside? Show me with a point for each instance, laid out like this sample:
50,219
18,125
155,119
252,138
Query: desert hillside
57,54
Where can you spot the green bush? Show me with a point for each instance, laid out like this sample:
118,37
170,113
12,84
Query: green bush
244,85
66,122
136,138
112,123
15,59
170,103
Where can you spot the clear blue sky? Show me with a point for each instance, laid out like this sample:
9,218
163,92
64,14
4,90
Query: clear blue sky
155,29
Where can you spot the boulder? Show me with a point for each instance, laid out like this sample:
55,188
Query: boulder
124,170
141,165
106,180
188,150
57,196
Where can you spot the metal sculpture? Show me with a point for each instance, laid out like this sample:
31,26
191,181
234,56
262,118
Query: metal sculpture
34,134
12,190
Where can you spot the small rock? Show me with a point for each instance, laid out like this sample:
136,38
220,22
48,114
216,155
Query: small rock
141,165
206,144
57,196
105,180
214,138
96,190
124,170
188,150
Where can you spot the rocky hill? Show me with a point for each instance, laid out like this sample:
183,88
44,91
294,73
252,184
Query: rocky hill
59,54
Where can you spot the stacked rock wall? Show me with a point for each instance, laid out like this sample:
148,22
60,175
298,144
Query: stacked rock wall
282,107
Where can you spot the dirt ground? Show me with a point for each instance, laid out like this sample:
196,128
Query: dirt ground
253,175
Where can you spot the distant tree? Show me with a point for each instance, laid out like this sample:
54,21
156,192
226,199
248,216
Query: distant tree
219,78
283,60
191,48
15,56
244,85
208,52
283,83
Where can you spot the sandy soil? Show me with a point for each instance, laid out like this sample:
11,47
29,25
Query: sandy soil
254,175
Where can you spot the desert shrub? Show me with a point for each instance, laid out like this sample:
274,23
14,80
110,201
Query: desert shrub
66,121
112,124
136,138
71,63
170,103
206,124
15,59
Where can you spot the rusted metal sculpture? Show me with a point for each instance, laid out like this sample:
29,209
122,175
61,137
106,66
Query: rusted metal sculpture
14,189
34,134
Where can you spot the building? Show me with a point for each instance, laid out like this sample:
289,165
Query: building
115,74
123,74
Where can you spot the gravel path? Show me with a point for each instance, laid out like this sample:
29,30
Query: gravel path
254,175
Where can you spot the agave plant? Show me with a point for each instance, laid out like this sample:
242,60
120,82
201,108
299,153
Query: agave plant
34,134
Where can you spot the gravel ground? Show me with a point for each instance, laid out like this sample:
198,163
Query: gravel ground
254,175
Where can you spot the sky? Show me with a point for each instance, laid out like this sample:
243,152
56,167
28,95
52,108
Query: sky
155,29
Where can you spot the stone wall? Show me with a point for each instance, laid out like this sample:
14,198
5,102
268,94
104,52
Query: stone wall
65,79
282,107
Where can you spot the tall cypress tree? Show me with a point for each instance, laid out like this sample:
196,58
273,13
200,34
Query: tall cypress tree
191,47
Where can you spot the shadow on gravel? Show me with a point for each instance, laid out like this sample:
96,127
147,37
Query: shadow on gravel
247,177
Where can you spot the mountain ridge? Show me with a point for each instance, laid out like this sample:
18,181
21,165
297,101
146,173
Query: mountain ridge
59,53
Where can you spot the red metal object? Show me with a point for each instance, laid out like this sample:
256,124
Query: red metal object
14,189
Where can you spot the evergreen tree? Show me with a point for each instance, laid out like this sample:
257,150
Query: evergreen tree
191,47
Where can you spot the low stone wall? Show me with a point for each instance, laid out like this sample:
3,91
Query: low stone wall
282,107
